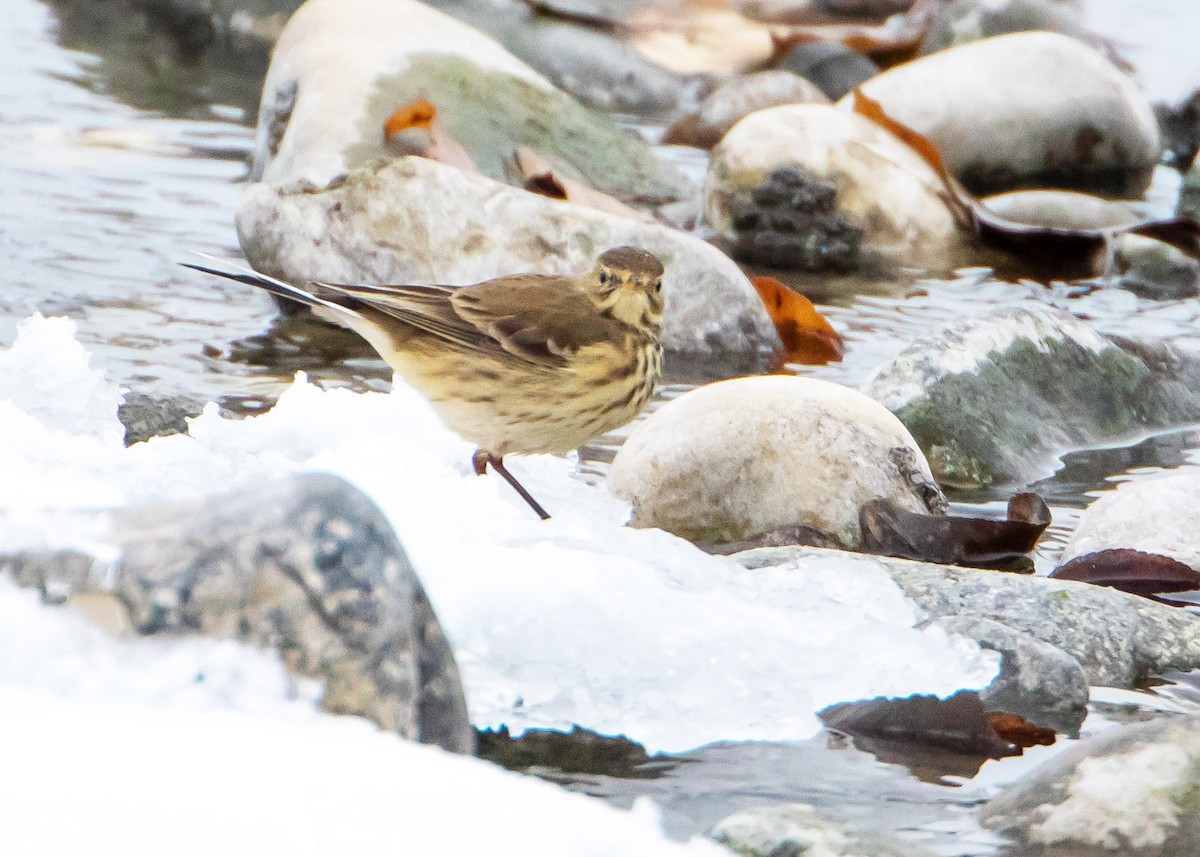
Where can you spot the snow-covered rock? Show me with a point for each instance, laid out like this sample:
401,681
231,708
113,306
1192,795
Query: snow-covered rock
416,220
737,458
1160,516
341,68
881,186
1031,109
576,620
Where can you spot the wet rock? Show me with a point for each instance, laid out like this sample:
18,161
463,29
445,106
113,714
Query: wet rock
599,68
793,830
1180,128
416,220
145,416
307,566
737,99
580,751
736,458
1154,269
996,398
1038,681
1027,110
1189,194
1158,516
882,188
1119,639
833,67
1131,791
963,21
322,115
1064,209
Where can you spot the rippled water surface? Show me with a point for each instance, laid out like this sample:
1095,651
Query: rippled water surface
116,163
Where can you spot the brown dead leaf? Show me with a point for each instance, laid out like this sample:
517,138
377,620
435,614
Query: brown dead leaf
958,723
540,178
807,337
1134,571
1050,253
954,539
415,129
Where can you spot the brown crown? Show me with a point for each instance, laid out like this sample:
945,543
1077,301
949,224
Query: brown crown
633,259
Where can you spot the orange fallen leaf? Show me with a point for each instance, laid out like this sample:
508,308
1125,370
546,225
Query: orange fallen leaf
1017,730
415,129
807,336
540,178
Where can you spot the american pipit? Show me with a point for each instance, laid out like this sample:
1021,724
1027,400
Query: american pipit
529,363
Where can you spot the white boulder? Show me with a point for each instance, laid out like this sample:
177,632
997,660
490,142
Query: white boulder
882,187
733,459
1026,110
1159,516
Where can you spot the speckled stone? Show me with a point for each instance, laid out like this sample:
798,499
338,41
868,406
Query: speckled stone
307,566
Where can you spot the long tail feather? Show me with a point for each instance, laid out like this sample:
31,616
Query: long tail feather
270,284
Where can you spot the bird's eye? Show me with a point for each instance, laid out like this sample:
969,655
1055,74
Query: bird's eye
658,285
603,277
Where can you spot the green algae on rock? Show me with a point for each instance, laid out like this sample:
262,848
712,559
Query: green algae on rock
996,398
333,84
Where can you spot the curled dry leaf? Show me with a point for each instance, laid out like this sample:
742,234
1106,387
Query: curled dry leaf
954,539
1133,571
415,129
958,723
1051,253
540,178
807,337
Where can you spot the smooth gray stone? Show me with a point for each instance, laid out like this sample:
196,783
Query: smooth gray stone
1038,681
307,566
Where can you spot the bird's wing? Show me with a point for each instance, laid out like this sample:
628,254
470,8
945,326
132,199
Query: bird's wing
544,319
540,319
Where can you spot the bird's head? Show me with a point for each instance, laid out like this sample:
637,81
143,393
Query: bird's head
627,282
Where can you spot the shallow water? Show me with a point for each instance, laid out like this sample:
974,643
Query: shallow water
116,167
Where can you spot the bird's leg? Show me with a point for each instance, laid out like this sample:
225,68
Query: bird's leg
482,458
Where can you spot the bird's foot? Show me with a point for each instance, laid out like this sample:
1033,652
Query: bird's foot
481,459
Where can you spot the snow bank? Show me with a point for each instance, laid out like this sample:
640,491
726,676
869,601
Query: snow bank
578,620
199,748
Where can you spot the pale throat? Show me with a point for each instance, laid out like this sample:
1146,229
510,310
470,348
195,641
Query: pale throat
627,306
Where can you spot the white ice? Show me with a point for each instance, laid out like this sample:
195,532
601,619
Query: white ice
200,748
578,620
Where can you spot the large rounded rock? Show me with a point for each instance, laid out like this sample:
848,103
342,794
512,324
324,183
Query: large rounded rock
876,185
1027,110
1130,791
994,399
416,220
737,458
341,68
1159,516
